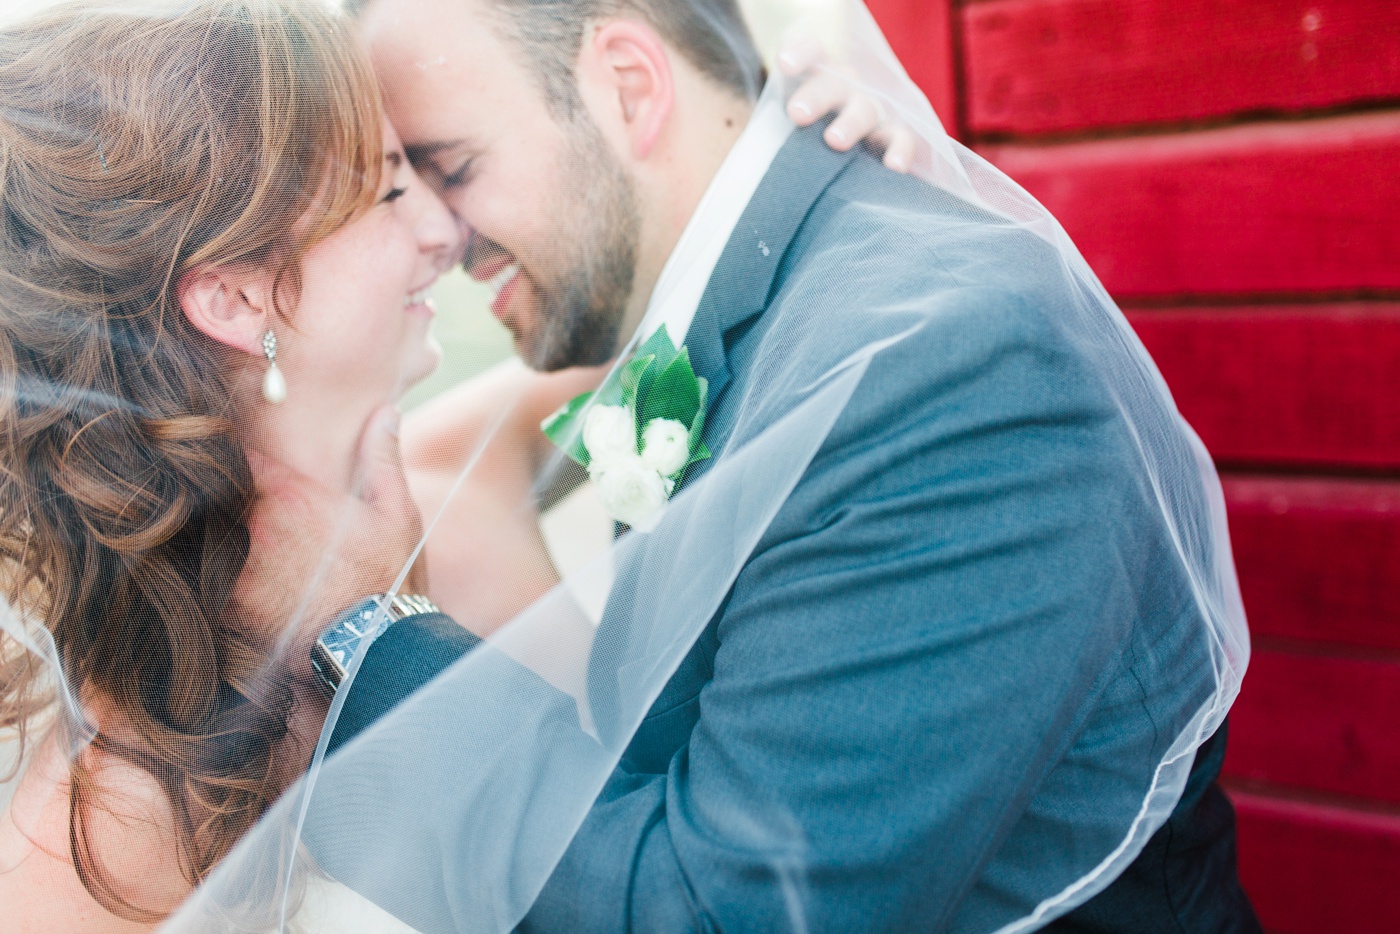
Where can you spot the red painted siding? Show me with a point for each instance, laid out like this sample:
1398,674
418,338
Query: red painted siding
1280,385
1275,209
1319,560
921,33
1319,722
1319,869
1058,66
1231,170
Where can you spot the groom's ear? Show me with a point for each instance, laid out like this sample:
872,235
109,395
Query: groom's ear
228,304
625,71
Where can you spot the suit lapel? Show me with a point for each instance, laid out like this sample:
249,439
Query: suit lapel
745,278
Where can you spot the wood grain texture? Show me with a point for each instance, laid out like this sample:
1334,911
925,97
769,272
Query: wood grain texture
921,34
1284,385
1319,869
1274,209
1318,559
1318,722
1060,66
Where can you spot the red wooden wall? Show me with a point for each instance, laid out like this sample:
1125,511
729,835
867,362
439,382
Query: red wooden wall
1231,170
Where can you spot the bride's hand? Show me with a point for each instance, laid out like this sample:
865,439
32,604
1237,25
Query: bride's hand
859,116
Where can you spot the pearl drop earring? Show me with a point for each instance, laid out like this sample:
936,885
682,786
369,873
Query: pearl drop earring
274,386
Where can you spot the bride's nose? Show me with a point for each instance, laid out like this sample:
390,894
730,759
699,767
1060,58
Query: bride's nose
439,236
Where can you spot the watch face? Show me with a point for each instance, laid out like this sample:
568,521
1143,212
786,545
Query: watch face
335,649
341,641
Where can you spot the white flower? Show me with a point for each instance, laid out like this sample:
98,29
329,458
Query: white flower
665,446
632,493
610,435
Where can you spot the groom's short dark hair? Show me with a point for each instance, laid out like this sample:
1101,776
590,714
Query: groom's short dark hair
711,34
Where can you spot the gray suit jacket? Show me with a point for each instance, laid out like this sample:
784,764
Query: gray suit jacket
930,667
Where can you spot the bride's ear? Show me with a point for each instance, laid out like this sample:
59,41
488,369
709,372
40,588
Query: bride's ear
227,304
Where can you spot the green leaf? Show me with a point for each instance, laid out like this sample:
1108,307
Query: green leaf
697,425
565,428
610,393
698,450
631,377
674,394
658,382
659,345
662,352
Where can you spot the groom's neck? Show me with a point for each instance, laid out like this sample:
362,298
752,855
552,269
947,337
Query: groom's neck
705,126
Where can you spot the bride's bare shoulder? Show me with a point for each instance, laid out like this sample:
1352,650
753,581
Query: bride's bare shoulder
131,831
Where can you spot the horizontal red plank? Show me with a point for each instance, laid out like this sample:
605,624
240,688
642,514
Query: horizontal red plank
1321,723
1286,208
1038,66
1319,560
1317,869
920,32
1297,386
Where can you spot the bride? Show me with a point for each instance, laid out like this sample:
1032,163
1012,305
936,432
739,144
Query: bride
215,264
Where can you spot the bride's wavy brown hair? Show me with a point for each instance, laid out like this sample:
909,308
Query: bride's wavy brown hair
135,145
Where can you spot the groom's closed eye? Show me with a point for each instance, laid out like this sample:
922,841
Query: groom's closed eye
443,163
460,177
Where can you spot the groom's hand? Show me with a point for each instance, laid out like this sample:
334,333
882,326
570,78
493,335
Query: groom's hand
387,513
315,550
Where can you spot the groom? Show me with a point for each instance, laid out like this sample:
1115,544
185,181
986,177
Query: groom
935,667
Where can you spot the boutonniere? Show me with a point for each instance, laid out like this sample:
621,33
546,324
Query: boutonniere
639,432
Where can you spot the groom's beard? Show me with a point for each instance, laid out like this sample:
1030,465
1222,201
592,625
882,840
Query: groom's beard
580,312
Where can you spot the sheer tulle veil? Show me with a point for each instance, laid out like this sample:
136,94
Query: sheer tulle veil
460,803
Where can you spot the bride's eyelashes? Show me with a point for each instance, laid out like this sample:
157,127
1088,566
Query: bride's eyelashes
394,195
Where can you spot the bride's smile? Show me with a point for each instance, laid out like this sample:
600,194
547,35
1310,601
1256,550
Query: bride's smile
363,321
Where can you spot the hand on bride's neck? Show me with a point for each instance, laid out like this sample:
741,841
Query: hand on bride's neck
324,531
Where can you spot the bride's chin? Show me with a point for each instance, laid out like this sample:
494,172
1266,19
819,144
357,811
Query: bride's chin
428,362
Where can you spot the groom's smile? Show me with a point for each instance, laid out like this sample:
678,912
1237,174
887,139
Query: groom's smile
503,287
489,262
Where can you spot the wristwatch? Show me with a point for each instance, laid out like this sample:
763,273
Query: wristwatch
335,649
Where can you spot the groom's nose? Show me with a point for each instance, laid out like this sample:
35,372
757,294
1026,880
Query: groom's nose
464,239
